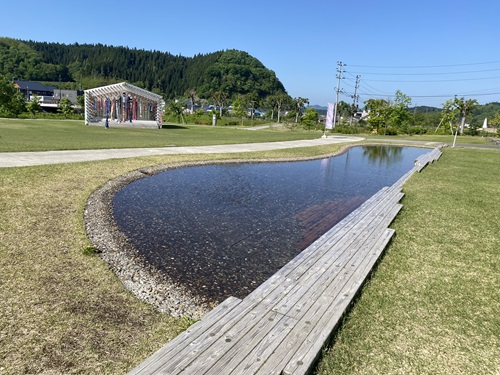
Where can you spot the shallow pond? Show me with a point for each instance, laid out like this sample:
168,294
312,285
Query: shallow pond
221,230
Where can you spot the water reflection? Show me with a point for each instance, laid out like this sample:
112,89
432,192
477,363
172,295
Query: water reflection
384,155
222,230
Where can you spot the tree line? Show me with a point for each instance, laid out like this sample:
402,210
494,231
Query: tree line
220,78
91,65
395,117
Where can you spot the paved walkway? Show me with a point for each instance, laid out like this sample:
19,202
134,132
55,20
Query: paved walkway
24,159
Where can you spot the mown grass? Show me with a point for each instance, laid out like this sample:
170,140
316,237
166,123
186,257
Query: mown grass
448,139
45,135
433,305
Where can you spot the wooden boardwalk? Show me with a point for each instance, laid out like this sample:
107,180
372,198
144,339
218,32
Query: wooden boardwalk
282,326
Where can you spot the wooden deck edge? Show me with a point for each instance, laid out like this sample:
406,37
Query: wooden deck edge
305,362
321,319
154,362
423,160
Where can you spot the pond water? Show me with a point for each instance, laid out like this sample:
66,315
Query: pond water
222,230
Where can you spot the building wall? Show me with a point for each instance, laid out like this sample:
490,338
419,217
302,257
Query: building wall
70,94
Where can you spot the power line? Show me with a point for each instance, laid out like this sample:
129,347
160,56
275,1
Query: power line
369,91
434,80
423,66
429,74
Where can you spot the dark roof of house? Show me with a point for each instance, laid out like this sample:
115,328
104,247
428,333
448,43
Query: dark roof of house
33,86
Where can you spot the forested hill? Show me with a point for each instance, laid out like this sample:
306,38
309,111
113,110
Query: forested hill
90,65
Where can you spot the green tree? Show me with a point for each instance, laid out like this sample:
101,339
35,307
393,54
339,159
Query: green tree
278,102
379,110
239,109
220,99
192,96
465,107
449,114
34,106
299,105
12,102
65,107
270,105
253,101
311,117
495,120
399,114
80,100
343,109
176,108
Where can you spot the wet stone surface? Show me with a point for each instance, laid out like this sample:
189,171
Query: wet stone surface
221,230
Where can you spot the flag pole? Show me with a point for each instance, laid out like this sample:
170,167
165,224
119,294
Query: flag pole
329,119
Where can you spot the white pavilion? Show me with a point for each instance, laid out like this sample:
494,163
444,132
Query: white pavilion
123,103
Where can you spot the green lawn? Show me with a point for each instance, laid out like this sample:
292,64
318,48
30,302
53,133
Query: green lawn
434,138
432,306
45,135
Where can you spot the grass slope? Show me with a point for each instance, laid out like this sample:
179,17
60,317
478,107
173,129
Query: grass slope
433,305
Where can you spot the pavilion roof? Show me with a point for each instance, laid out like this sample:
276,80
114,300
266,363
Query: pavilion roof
118,88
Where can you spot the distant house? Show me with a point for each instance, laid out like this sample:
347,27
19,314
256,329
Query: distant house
70,94
48,96
29,88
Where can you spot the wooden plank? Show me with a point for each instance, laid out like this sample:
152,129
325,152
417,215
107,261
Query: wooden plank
319,278
253,349
422,161
405,177
308,352
335,234
183,340
217,337
288,274
286,284
338,297
273,297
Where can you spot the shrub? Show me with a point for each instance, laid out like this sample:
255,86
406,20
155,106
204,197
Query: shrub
346,130
390,131
471,131
417,130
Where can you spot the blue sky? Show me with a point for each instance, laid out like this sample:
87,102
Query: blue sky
430,50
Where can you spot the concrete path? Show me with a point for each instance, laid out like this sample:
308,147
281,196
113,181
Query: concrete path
492,145
24,159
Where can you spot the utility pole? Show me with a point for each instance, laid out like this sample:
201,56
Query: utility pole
355,98
59,88
339,77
